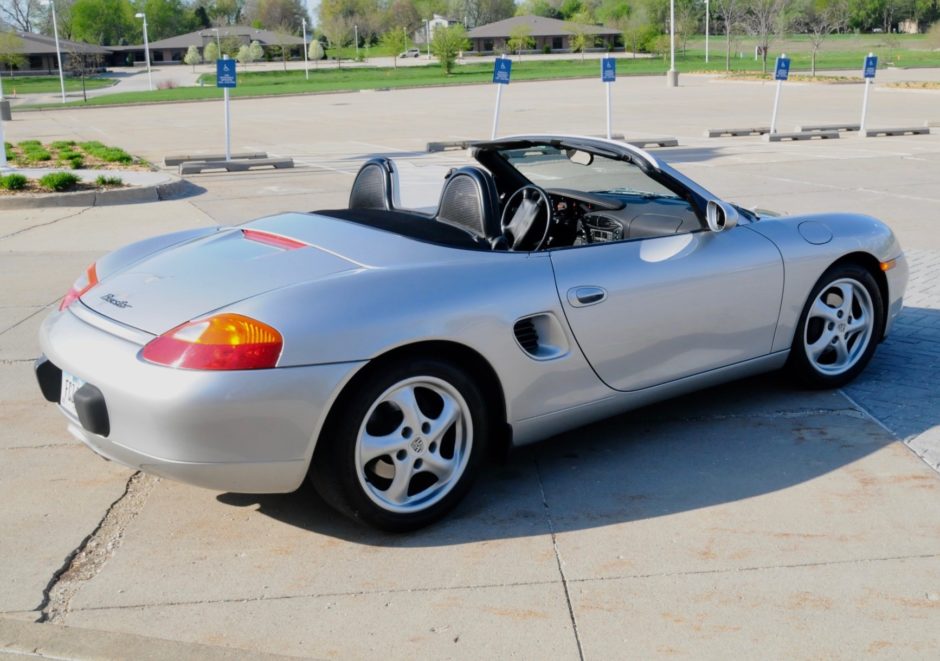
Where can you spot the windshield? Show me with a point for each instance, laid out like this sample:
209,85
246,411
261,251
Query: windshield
553,167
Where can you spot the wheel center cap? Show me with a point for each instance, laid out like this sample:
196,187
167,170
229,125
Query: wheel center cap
841,327
417,445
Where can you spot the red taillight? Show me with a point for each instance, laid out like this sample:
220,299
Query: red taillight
88,280
222,342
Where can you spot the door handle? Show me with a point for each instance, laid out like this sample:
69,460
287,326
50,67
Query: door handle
580,297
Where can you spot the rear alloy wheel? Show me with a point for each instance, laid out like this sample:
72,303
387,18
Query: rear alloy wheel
839,328
404,446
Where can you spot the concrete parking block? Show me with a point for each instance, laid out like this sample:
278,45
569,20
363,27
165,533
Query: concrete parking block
501,622
882,608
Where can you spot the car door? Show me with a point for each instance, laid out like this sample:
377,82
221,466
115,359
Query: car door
649,311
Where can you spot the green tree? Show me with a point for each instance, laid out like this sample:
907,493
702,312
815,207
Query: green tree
520,39
211,52
537,8
11,51
165,18
192,57
395,41
819,19
279,14
580,38
571,8
635,27
447,43
764,20
731,12
105,22
256,51
338,30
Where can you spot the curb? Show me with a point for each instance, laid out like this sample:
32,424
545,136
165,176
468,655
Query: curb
62,642
99,198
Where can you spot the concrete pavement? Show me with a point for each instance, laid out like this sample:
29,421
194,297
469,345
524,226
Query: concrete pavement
747,517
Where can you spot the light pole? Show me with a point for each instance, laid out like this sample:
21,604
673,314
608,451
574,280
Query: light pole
672,76
427,36
218,41
146,48
58,51
706,31
356,29
306,67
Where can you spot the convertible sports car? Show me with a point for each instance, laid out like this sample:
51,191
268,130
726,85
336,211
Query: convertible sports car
381,352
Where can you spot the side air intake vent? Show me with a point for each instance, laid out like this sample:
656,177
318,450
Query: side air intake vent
527,335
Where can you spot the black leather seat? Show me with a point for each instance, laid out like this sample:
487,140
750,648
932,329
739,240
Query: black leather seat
372,188
469,200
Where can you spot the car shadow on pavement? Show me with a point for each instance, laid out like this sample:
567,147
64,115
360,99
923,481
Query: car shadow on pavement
725,444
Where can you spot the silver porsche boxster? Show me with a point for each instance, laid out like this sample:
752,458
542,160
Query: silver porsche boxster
382,352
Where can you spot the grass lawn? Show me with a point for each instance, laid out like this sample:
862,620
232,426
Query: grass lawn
43,84
838,52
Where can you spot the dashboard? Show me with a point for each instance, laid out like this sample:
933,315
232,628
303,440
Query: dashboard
580,217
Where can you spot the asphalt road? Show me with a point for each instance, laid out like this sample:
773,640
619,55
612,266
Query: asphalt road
747,517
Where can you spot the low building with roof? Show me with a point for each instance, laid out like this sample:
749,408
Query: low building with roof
173,49
39,52
549,34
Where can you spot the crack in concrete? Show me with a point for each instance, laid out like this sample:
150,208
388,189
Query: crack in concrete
38,225
495,586
558,561
15,361
89,557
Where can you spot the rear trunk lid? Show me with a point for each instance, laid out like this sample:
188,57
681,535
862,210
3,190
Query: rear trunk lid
198,277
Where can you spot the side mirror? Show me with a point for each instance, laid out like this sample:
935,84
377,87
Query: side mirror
720,216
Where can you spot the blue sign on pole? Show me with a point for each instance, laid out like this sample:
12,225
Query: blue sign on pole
225,73
502,70
871,65
608,70
783,68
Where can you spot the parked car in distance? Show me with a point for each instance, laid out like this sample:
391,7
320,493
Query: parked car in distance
411,52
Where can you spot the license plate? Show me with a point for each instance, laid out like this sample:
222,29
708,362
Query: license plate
70,385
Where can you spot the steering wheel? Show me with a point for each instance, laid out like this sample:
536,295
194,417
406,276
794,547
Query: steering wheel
526,218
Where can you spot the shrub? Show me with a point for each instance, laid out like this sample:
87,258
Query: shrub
30,144
77,162
69,154
36,156
14,181
62,144
103,180
58,181
107,154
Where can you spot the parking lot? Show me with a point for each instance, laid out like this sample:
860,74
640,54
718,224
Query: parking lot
752,519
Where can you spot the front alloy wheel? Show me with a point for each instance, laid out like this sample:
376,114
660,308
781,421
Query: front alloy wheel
839,328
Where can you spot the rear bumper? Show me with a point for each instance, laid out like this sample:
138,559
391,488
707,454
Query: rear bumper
251,431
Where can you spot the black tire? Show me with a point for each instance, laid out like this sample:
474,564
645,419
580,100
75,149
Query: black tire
355,490
817,372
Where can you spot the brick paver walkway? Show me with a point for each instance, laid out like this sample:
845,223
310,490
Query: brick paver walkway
901,386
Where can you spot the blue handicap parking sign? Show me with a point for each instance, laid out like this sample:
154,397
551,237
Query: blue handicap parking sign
502,70
871,65
783,68
608,70
225,75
